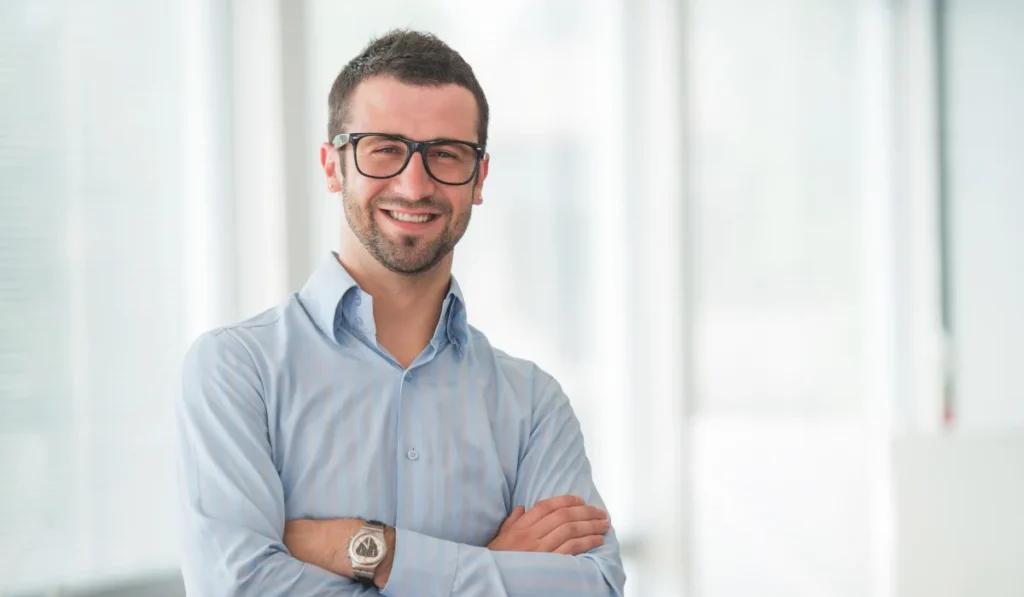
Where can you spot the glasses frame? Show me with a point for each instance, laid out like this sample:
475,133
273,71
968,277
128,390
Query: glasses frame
420,147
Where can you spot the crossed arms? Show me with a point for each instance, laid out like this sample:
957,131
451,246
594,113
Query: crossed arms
236,540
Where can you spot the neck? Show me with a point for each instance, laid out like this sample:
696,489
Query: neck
406,308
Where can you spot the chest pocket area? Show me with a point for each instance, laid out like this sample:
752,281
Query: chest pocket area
336,458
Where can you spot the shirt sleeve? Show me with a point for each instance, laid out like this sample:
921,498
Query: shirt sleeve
232,510
554,463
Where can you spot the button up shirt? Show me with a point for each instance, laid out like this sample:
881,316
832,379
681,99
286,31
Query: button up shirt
300,413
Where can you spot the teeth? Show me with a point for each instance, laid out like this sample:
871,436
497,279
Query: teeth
404,217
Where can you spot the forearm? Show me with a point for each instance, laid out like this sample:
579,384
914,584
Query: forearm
429,566
324,543
249,563
420,565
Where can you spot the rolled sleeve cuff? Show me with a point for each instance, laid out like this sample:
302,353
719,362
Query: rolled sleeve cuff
423,565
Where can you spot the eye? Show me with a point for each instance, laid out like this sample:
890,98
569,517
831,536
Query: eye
387,150
454,152
443,154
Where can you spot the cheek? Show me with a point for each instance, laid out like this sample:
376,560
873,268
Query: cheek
461,200
360,192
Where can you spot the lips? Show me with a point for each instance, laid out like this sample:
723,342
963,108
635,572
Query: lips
409,217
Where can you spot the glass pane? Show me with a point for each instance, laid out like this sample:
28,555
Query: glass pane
91,278
984,121
380,156
451,162
776,208
781,463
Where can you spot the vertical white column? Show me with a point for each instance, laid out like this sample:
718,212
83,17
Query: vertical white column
209,229
259,151
660,272
878,226
923,341
81,444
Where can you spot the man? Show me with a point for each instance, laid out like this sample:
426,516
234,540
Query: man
361,438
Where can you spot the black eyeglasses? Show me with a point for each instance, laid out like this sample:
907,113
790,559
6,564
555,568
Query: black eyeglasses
379,155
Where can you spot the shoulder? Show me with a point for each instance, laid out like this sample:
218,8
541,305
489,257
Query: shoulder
532,384
236,347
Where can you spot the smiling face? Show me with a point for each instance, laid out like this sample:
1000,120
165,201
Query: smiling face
408,223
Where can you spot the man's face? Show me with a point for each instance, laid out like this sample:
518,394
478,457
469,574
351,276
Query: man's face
410,222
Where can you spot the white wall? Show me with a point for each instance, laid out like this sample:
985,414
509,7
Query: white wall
960,518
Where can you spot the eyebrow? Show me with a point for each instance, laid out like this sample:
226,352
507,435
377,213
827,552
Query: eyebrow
387,131
447,138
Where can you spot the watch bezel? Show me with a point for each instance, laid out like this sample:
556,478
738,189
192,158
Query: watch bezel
357,539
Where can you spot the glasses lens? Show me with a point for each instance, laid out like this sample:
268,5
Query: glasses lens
377,155
451,162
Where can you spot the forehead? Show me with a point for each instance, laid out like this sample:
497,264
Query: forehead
419,112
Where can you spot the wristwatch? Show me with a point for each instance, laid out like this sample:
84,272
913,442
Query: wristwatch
367,550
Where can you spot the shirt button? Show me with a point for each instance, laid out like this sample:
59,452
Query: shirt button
412,455
408,376
359,322
358,299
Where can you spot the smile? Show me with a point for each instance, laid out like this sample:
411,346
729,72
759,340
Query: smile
403,216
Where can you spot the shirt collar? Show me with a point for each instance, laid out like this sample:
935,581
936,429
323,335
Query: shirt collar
323,293
333,299
453,323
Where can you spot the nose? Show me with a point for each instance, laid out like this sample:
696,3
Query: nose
414,183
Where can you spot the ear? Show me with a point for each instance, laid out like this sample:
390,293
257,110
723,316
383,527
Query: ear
329,157
478,188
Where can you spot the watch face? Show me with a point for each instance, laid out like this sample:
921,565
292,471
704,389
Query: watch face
367,549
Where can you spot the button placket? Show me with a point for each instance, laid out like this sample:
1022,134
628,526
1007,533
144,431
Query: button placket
409,436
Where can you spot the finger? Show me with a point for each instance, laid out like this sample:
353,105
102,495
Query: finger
581,545
545,507
516,514
571,514
574,530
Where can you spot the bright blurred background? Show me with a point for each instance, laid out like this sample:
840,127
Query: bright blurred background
773,250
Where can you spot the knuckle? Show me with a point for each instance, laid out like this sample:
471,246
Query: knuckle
579,546
585,544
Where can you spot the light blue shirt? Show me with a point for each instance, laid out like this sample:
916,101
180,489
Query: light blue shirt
300,413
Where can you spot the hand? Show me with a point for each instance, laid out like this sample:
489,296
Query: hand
563,524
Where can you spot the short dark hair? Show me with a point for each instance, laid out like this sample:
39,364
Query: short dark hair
412,57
